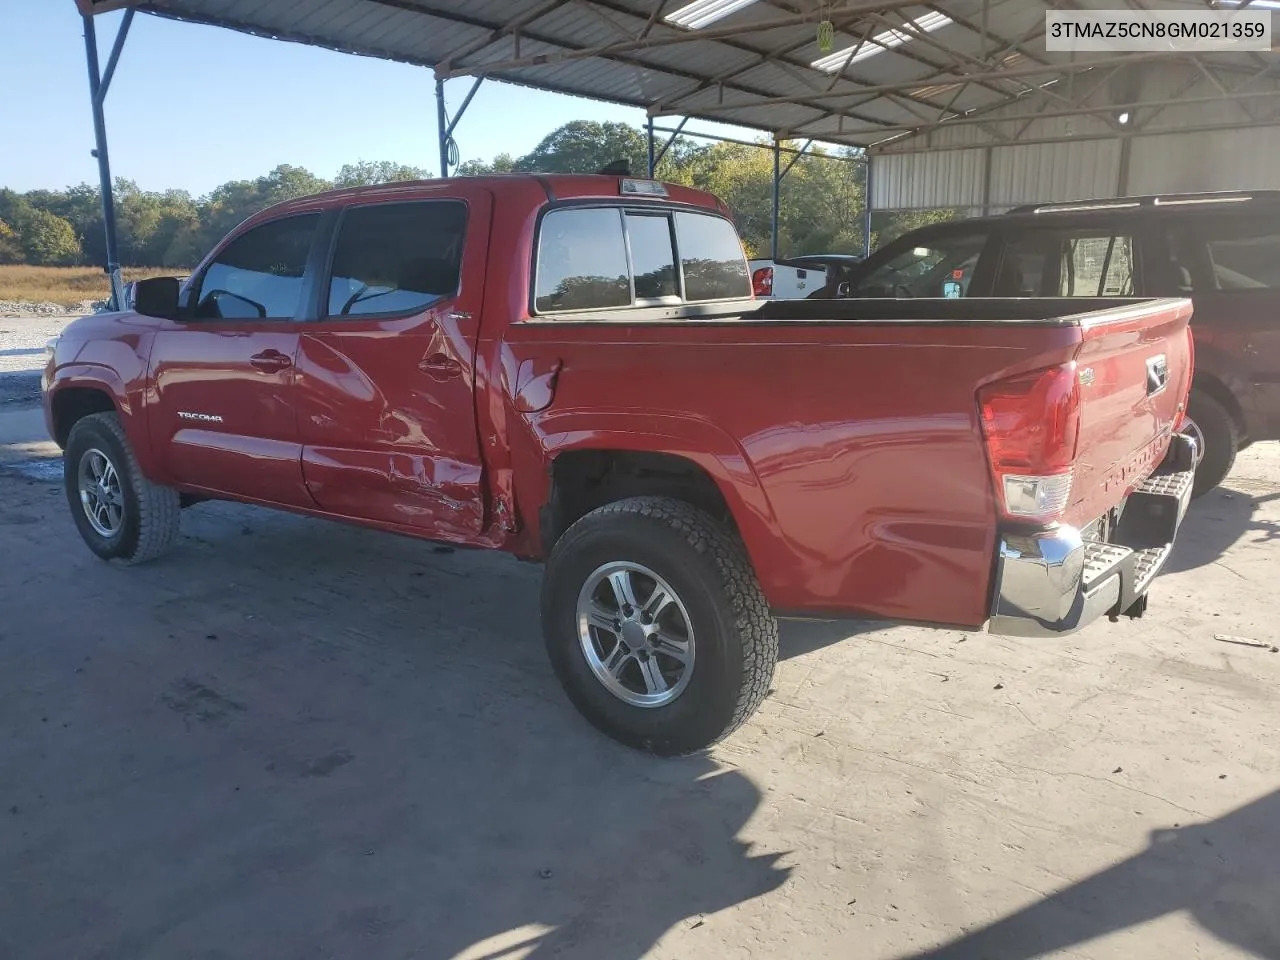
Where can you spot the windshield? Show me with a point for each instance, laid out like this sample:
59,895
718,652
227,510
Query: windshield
942,267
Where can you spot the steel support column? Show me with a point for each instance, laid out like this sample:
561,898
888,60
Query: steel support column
98,86
777,197
987,157
669,141
866,212
447,126
442,128
1122,174
653,159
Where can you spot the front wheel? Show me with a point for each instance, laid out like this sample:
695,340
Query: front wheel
120,514
656,625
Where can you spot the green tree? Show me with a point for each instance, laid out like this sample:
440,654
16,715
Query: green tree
47,240
586,146
502,163
366,173
10,248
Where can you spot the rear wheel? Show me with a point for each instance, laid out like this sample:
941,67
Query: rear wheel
120,514
656,625
1217,436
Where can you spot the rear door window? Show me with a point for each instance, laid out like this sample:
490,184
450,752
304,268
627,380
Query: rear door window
1096,267
258,275
397,257
1066,263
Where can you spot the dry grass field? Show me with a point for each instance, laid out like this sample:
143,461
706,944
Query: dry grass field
67,286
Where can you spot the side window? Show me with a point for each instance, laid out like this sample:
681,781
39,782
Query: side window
942,267
653,260
715,268
1047,263
1022,268
1096,267
397,257
258,276
582,261
1243,252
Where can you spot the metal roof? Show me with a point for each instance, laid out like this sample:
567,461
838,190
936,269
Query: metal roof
751,67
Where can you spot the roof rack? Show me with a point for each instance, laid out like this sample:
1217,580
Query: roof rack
1159,200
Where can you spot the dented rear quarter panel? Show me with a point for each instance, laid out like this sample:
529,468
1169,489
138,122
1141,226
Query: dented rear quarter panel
849,453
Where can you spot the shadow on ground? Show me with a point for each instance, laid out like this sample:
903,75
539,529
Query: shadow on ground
799,637
296,739
1218,520
1225,873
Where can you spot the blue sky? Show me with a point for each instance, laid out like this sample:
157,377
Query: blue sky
194,106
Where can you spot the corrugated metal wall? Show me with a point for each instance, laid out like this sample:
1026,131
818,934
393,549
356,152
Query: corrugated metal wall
1179,162
1036,173
1054,171
924,181
945,167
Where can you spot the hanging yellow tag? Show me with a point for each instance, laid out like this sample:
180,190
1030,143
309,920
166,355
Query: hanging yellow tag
826,36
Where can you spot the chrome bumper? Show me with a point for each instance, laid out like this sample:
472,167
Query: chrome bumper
1055,581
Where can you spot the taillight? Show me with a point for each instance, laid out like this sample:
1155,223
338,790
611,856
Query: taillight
1031,424
762,282
1185,385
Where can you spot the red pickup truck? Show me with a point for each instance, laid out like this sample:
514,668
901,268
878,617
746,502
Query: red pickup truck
572,369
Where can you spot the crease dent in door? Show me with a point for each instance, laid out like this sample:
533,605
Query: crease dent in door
376,459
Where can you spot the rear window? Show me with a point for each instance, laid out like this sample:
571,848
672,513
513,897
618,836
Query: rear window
397,257
653,259
598,258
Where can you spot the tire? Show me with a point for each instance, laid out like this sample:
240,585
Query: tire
1221,441
733,637
146,525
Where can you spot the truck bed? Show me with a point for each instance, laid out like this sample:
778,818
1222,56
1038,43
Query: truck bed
847,435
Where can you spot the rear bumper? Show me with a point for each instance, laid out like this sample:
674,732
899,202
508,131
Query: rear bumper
1056,581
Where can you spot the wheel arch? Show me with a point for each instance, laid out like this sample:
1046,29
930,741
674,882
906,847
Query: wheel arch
687,460
72,402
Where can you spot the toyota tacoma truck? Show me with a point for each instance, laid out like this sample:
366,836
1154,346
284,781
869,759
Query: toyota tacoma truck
572,369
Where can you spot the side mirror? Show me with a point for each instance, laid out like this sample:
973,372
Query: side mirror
156,297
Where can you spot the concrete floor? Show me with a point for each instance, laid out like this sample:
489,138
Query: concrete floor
297,740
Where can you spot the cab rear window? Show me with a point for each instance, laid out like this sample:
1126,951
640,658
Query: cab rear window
601,258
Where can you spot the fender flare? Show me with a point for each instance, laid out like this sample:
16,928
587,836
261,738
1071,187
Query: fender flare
103,379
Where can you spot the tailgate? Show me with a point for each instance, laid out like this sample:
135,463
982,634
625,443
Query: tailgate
1134,367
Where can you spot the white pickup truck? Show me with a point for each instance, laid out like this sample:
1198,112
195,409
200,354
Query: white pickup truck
797,277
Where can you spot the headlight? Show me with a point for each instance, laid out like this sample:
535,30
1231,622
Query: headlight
49,347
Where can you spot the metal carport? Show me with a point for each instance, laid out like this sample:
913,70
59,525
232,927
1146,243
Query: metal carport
956,104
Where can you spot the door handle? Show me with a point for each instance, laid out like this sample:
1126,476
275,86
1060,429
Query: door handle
439,366
270,361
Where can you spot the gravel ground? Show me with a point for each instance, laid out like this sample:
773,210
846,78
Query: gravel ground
22,340
296,739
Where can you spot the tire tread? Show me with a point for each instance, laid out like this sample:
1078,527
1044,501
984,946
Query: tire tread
159,507
754,622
